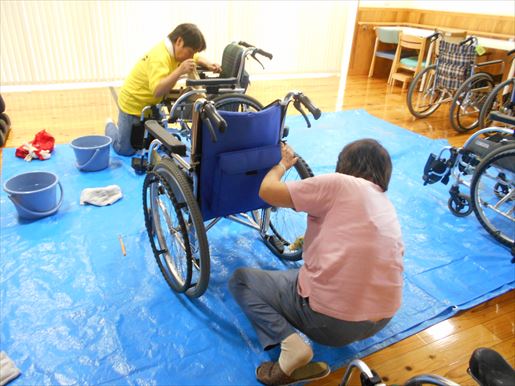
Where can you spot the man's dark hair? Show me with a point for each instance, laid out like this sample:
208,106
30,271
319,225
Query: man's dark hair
191,35
366,158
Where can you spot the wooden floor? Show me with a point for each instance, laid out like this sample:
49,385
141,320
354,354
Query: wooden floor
443,349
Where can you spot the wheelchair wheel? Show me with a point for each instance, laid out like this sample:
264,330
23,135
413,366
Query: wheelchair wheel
460,205
500,99
237,102
468,101
286,225
424,97
493,194
176,229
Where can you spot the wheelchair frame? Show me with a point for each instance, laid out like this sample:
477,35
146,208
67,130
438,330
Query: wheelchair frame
486,167
172,178
426,93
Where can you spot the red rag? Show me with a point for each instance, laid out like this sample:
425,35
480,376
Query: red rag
41,141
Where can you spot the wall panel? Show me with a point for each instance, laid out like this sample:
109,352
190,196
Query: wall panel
57,41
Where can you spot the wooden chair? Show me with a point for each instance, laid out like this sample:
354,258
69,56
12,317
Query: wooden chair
384,37
412,64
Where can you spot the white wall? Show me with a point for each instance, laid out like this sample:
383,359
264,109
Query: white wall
483,7
59,41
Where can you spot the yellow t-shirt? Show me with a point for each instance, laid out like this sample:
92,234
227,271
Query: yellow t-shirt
138,88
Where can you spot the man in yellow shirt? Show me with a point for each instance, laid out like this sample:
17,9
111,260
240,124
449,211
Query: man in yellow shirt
153,77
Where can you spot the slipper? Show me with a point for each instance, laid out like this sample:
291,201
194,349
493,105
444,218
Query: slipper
311,372
269,373
8,370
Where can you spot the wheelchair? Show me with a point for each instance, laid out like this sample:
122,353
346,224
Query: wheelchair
176,108
453,78
501,99
486,367
493,189
485,165
233,79
196,177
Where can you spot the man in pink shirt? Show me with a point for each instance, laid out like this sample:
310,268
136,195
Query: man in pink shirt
350,285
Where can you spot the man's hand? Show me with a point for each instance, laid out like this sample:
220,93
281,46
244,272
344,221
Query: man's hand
288,156
187,66
215,68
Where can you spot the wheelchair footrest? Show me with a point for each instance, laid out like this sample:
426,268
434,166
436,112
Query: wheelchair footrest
139,164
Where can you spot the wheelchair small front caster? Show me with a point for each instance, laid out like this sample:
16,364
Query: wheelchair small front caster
460,205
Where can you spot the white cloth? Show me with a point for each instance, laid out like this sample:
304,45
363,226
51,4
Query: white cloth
101,196
8,370
33,152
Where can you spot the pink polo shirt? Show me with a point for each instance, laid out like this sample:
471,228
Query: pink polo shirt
353,248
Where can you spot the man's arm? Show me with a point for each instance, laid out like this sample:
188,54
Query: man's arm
273,191
207,64
166,84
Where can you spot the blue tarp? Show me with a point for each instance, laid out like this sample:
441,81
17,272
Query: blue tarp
74,310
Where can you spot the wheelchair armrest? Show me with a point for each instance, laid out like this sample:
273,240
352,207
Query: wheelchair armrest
208,82
503,118
168,140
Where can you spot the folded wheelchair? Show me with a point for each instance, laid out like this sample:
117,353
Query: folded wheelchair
485,165
195,177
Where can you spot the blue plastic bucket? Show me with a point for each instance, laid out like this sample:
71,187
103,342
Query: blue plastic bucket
91,152
34,194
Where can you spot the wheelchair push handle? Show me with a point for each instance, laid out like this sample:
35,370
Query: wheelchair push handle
299,100
469,40
434,36
257,50
213,119
310,106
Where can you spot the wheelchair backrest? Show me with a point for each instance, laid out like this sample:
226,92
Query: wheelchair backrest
232,168
233,64
454,63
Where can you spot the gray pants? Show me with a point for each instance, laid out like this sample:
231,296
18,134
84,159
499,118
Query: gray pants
121,134
275,309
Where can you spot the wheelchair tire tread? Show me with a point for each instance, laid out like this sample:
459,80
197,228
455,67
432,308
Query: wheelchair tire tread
411,90
304,172
487,106
166,169
200,287
150,178
508,150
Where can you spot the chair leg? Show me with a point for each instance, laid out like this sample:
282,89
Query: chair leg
390,74
372,64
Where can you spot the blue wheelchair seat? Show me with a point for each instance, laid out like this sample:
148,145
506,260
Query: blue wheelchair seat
233,167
